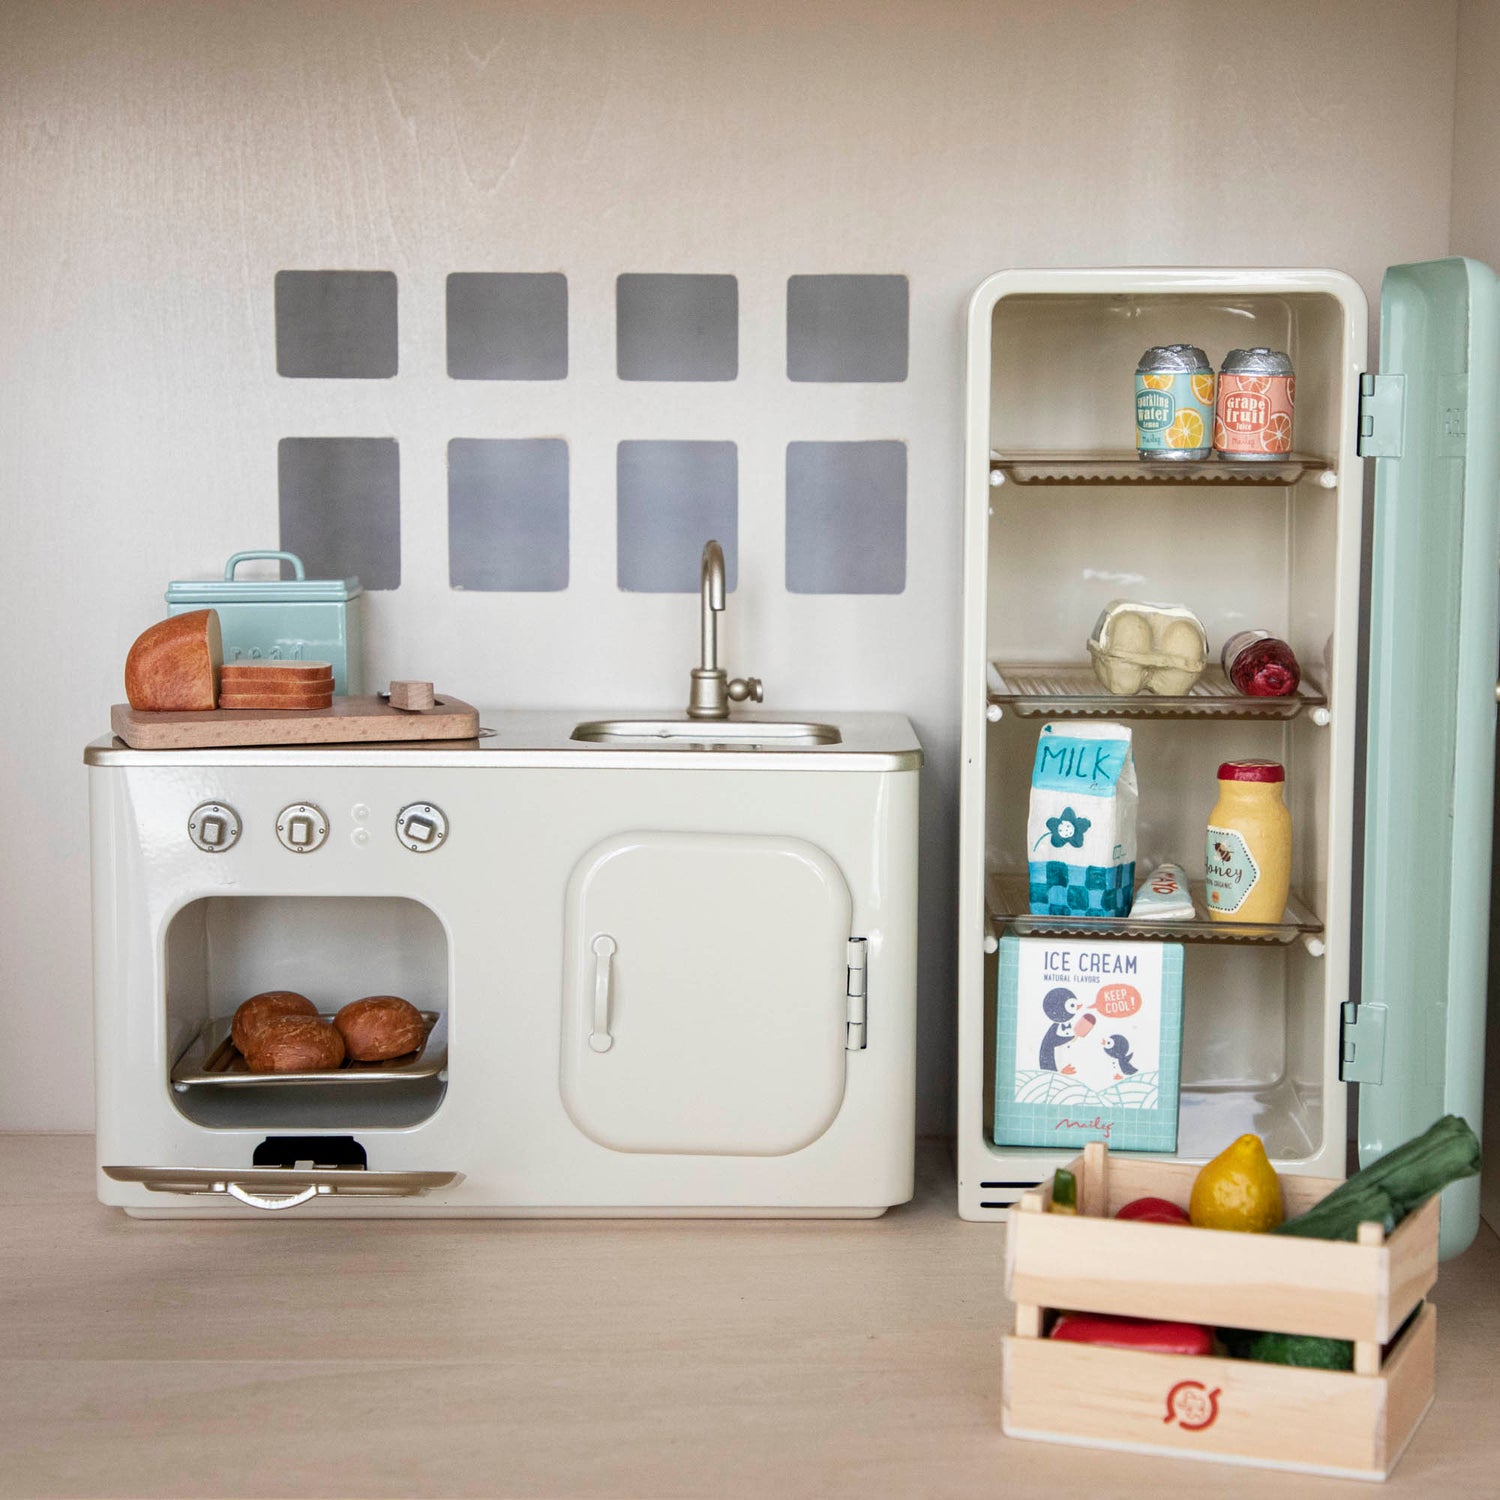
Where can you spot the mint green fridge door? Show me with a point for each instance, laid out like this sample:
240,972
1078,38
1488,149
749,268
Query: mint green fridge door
1415,1044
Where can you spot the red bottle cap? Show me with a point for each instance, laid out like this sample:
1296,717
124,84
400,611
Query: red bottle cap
1252,770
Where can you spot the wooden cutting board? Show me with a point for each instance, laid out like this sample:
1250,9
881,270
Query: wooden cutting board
365,720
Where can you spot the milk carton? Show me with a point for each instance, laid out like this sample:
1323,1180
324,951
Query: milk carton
1080,837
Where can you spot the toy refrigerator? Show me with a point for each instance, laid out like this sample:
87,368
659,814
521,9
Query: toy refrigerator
1360,1015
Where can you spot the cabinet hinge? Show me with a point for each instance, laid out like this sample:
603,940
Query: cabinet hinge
855,997
1362,1043
1382,411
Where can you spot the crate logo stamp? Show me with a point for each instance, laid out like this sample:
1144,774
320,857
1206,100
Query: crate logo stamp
1192,1405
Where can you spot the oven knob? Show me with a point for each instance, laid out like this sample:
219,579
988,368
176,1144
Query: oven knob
421,827
301,827
214,827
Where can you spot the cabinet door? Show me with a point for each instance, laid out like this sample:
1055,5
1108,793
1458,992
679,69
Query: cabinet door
1431,422
704,1000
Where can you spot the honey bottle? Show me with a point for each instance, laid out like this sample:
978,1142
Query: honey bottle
1247,857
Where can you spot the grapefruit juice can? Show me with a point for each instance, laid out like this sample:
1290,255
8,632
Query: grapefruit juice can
1253,419
1174,403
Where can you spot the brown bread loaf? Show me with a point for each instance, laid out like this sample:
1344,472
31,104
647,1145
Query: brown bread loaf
174,666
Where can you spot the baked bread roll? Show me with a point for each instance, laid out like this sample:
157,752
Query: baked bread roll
295,1044
252,1016
380,1027
174,666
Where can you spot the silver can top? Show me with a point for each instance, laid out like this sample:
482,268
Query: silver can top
1257,361
1188,358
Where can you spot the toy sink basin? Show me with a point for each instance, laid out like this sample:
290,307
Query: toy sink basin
745,734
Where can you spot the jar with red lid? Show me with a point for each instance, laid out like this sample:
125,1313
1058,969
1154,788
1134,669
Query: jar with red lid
1247,859
1260,665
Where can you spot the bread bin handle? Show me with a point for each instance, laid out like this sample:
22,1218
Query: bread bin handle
240,557
290,1200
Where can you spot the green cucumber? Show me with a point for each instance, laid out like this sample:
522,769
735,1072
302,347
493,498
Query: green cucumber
1302,1349
1389,1189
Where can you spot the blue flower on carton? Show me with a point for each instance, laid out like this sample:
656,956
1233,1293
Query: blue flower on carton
1067,828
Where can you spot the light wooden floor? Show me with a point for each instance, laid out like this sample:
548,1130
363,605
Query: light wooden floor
651,1358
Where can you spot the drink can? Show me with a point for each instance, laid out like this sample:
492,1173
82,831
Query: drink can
1253,419
1174,403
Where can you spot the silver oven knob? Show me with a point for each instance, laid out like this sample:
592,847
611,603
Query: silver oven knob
421,827
302,827
214,827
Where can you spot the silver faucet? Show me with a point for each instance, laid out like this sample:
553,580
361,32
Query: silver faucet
712,690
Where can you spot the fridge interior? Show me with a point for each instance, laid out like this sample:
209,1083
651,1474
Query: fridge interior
220,950
1257,1014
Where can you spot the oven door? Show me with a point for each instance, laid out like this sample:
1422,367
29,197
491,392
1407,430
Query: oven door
705,1001
277,1188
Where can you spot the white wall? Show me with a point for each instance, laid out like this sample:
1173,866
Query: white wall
160,161
1476,232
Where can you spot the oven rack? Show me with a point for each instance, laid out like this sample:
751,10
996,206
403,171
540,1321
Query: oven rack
212,1060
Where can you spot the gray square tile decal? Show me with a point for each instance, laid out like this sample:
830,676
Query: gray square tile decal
672,497
336,325
672,327
846,518
507,325
341,507
508,514
847,328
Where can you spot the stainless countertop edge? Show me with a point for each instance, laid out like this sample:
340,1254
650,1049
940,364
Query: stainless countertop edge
539,739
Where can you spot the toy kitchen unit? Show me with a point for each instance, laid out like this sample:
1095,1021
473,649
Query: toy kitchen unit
669,965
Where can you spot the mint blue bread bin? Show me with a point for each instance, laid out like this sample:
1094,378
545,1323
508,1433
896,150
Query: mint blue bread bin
275,619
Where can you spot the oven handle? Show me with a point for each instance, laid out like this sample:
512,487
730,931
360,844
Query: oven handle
604,947
286,1200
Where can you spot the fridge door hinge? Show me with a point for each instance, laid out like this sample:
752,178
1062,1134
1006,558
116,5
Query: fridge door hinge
1362,1037
855,997
1382,410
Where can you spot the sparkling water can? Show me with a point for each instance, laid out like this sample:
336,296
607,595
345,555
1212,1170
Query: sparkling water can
1174,403
1253,419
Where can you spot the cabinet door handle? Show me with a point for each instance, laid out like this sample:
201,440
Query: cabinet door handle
604,950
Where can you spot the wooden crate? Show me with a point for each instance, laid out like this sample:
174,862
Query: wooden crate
1352,1424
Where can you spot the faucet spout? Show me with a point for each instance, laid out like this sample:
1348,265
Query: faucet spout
711,588
711,691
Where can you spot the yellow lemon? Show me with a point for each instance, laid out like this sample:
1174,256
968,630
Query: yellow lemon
1157,382
1186,431
1203,388
1238,1189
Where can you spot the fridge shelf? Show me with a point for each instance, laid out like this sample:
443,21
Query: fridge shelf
1036,690
1007,898
1125,466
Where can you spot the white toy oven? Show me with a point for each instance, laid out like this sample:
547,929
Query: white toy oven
670,976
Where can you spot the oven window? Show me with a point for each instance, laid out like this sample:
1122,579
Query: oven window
221,950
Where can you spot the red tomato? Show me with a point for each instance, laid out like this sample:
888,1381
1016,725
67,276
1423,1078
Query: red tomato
1153,1211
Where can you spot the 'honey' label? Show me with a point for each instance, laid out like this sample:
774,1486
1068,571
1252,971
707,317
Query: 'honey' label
1230,870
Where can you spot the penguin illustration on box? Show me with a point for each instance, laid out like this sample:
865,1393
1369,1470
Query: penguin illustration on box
1118,1048
1059,1034
1059,1006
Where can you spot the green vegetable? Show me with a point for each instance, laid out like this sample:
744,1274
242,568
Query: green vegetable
1064,1192
1389,1189
1301,1349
